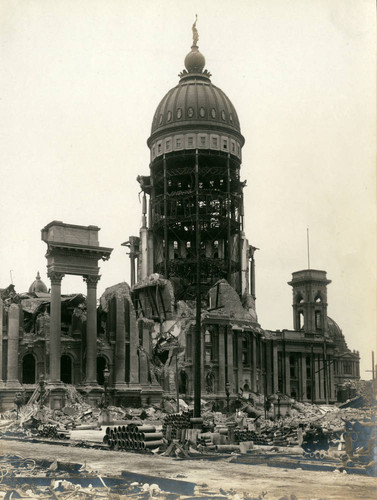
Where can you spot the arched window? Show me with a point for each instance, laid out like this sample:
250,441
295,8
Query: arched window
318,321
245,350
299,298
301,320
175,246
66,369
183,382
189,249
318,298
216,249
28,369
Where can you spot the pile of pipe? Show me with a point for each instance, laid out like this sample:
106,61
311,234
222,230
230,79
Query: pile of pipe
246,435
133,437
52,431
174,424
286,436
360,443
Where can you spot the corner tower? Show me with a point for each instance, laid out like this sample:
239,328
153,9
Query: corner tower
194,188
310,301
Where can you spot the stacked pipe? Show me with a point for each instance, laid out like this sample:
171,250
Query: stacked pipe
53,431
245,435
315,439
362,444
174,424
133,437
205,440
285,437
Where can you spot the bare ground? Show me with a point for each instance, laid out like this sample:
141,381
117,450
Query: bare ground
254,479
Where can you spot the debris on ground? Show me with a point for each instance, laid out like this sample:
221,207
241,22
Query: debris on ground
27,478
341,437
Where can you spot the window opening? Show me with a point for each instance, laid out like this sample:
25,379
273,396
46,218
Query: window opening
28,369
318,322
301,320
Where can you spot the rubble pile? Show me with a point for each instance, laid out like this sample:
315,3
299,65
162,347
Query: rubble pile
345,434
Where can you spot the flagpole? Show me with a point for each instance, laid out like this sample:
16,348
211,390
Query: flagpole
307,244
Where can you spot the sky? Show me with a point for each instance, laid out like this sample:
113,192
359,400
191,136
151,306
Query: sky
81,79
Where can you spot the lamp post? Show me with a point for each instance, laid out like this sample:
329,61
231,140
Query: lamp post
227,392
42,385
278,395
106,375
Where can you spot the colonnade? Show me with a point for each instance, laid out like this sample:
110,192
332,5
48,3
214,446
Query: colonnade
91,328
12,347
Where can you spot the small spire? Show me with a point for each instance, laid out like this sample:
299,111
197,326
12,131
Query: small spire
195,34
38,277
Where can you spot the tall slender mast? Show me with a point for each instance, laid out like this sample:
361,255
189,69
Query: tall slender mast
307,244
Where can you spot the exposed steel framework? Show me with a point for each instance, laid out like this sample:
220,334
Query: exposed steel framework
197,206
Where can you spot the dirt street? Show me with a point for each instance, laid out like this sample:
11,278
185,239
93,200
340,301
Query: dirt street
254,479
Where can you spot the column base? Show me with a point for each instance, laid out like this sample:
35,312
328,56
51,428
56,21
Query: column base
121,386
13,384
151,394
93,384
7,395
93,393
56,397
130,396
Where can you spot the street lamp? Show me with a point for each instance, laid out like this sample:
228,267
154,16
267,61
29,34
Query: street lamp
278,395
106,376
227,392
42,385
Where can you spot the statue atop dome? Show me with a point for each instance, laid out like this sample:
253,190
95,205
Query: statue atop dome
195,34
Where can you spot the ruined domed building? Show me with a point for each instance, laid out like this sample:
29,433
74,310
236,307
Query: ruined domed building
192,242
192,286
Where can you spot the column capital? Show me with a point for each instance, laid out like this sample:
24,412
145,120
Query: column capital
91,280
55,277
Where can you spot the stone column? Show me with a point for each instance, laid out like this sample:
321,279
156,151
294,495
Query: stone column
239,357
254,361
134,359
287,375
221,381
269,370
143,354
150,253
332,380
91,329
120,346
13,336
276,367
229,339
322,377
203,362
144,241
252,277
318,395
55,326
1,342
303,376
143,252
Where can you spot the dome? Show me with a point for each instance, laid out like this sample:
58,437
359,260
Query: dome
335,333
38,285
195,103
